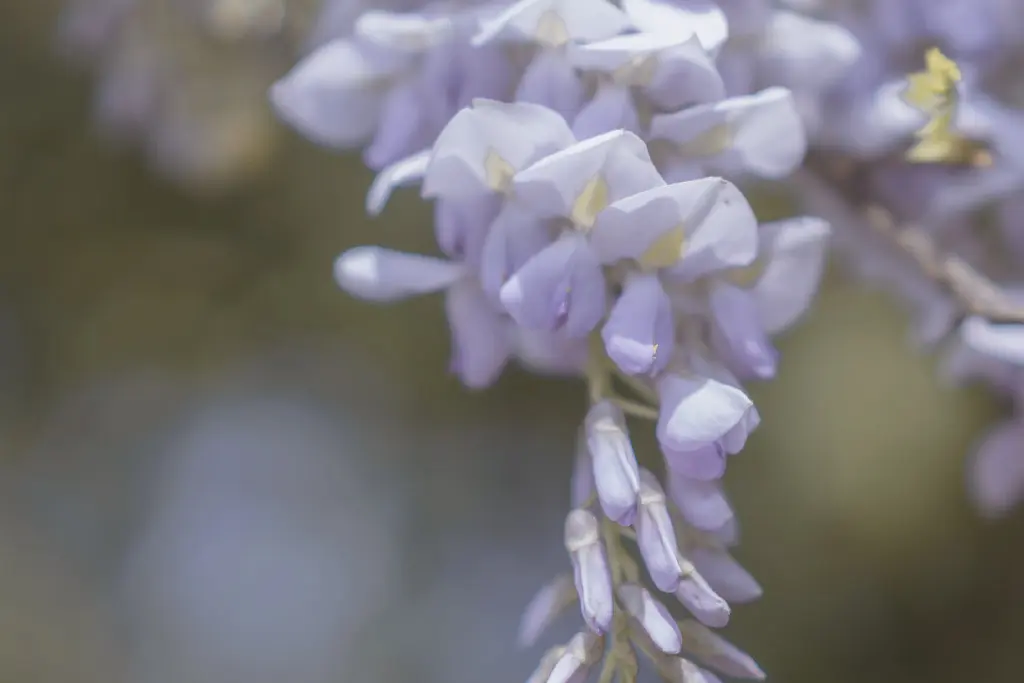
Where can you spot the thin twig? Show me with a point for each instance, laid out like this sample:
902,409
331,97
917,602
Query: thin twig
635,409
973,292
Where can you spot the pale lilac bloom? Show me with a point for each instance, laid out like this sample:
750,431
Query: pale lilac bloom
652,616
333,96
570,663
551,27
670,571
639,335
666,72
480,335
791,262
673,234
701,503
582,485
703,18
615,207
754,303
380,85
776,47
717,653
616,474
996,469
656,536
682,670
704,417
738,333
758,135
563,286
468,171
710,555
554,231
590,569
549,602
549,353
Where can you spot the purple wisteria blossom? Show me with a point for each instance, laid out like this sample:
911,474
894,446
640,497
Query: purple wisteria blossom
589,164
583,157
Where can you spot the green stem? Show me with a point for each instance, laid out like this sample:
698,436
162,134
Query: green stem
636,409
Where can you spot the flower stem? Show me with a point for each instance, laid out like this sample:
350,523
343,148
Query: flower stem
636,409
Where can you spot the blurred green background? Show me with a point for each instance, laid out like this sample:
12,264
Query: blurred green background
850,494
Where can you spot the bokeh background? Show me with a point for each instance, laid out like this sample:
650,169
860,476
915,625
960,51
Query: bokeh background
216,468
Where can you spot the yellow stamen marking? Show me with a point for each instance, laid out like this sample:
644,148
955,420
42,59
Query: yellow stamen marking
498,172
591,201
748,276
709,143
551,30
665,251
638,71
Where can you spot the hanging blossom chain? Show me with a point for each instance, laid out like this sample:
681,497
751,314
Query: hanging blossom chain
585,160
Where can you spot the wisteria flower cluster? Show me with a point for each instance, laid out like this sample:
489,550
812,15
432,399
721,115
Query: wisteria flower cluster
582,158
587,162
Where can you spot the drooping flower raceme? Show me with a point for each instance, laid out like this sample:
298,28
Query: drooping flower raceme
587,162
581,157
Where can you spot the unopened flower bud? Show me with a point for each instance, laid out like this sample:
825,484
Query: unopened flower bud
592,576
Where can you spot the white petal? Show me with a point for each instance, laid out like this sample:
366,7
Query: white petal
483,145
639,333
618,159
760,134
554,22
702,503
560,287
480,335
725,574
402,129
747,18
876,124
675,71
405,172
1001,342
680,18
404,31
719,226
801,52
706,211
616,473
551,81
514,237
716,652
794,256
610,109
696,411
550,353
738,334
652,616
379,274
328,96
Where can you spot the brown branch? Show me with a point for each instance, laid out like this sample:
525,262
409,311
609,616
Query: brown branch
975,293
972,291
